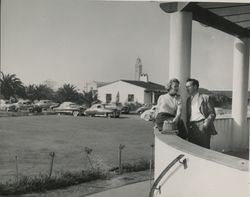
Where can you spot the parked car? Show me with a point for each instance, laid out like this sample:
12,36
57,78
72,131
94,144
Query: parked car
143,108
113,105
25,105
149,114
125,110
70,108
101,109
47,104
6,105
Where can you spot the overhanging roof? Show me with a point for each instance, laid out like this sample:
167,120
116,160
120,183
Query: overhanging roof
149,86
231,18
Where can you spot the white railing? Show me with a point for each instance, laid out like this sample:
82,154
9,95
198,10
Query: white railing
224,127
221,142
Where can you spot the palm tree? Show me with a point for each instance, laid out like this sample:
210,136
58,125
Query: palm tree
89,98
38,92
11,86
67,93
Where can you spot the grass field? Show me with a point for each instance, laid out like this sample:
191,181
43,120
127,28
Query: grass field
32,138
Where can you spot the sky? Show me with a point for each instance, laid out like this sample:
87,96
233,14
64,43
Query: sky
76,41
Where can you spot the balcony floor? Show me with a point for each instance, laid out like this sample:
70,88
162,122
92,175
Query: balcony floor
140,189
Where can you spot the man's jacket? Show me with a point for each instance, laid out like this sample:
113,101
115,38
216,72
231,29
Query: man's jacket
206,109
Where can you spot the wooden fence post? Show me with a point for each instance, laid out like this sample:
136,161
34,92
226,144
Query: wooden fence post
88,151
52,155
16,169
121,146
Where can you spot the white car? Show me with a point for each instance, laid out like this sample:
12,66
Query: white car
26,105
6,105
149,114
70,108
101,109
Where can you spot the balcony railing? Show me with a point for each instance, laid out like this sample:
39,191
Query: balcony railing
222,141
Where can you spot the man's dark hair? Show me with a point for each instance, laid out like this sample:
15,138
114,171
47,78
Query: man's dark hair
195,82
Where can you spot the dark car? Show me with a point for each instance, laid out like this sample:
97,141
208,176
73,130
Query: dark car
143,108
125,110
70,108
47,104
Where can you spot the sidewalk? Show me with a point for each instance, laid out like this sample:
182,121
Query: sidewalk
138,190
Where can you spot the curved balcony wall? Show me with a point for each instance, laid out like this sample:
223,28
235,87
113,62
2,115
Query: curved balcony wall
209,173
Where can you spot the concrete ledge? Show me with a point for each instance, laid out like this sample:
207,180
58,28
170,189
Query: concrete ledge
210,155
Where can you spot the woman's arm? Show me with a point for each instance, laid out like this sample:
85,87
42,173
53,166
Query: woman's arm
158,105
179,111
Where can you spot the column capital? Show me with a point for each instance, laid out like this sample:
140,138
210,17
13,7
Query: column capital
173,6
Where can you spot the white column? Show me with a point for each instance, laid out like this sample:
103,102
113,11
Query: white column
240,135
153,97
180,40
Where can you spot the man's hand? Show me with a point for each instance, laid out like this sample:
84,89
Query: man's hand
204,126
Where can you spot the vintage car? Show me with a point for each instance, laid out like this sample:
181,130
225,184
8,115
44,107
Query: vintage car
102,109
25,105
70,108
149,114
125,109
6,105
143,108
47,104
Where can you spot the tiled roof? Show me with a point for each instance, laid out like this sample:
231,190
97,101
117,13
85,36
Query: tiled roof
100,84
150,86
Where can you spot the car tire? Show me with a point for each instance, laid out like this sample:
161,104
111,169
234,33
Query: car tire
75,113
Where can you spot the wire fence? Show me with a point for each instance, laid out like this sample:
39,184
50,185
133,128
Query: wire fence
51,163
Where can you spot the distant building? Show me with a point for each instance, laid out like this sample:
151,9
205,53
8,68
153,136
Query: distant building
138,69
124,91
144,77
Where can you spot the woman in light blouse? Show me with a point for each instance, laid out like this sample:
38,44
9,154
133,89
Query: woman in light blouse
169,107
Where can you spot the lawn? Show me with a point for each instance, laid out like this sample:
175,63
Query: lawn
32,138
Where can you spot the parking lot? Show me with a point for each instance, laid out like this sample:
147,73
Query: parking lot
32,138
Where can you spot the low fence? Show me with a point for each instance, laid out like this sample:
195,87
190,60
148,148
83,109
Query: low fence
54,163
222,141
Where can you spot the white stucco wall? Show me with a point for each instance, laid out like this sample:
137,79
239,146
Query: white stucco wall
124,89
209,173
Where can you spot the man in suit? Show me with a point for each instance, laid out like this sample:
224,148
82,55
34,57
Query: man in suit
200,115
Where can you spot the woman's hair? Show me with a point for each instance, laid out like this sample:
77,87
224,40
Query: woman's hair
168,86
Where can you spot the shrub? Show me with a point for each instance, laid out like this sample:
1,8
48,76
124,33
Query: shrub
136,166
42,183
